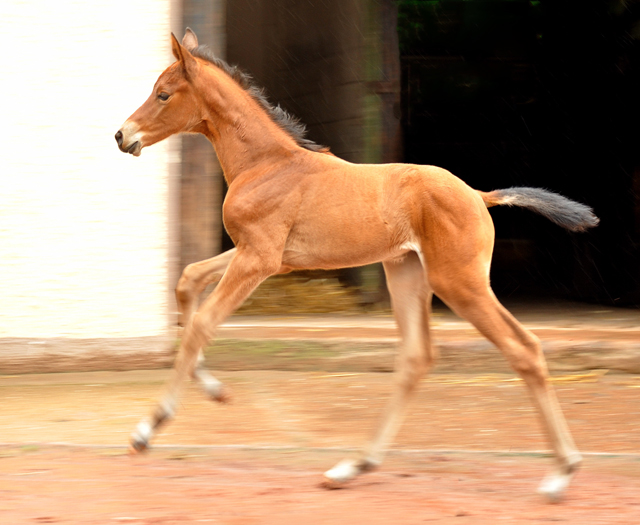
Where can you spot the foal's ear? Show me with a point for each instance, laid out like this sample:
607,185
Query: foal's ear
175,47
190,40
189,63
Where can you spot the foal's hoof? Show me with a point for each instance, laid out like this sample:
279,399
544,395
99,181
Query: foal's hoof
344,472
136,448
140,438
224,395
218,392
554,486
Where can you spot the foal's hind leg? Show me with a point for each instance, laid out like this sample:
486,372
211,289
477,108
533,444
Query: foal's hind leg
477,303
194,279
411,299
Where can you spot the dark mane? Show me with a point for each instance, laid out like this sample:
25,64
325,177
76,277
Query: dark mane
282,118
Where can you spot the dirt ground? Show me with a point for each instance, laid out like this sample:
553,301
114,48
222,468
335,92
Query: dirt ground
471,451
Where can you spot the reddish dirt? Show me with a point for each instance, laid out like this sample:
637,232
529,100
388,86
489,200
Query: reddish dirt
256,487
465,455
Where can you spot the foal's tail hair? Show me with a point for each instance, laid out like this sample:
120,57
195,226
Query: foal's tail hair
569,214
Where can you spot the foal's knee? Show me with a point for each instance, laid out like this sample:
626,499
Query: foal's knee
186,289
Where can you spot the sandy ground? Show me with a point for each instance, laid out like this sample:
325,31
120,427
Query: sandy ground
471,451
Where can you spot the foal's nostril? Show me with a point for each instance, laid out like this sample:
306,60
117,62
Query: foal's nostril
119,138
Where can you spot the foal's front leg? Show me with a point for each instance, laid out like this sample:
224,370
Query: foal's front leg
194,279
245,272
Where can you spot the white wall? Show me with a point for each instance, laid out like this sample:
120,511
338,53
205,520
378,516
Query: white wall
83,227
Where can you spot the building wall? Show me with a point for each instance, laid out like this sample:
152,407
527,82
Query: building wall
310,57
201,183
84,233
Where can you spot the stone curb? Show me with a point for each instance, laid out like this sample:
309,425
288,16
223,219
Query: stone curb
472,355
18,356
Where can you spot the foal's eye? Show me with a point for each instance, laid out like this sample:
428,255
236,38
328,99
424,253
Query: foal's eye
163,96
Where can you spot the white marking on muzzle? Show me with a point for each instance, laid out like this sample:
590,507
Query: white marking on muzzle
130,135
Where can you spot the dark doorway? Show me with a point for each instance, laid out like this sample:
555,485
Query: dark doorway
534,93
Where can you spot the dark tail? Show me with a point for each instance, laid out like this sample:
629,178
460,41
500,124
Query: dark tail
564,212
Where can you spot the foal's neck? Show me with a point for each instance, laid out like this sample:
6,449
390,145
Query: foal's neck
243,134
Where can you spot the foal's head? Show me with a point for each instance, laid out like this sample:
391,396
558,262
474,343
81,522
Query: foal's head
171,108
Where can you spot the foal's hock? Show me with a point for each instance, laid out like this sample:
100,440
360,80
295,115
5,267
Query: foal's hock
293,205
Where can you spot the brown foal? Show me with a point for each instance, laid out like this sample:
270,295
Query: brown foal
292,205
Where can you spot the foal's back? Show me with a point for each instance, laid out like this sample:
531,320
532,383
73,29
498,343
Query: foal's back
352,214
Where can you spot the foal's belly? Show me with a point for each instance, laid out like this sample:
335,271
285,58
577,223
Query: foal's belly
295,260
340,247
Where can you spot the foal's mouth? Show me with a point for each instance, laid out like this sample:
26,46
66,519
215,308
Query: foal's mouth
134,148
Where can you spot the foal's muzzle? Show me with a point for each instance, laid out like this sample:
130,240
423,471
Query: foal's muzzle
134,147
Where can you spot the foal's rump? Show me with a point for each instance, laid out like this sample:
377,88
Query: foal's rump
440,185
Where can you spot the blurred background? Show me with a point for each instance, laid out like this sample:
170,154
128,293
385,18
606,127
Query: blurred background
501,92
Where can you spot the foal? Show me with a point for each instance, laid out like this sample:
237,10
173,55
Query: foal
292,205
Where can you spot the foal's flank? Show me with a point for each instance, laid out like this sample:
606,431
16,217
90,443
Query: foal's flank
293,205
